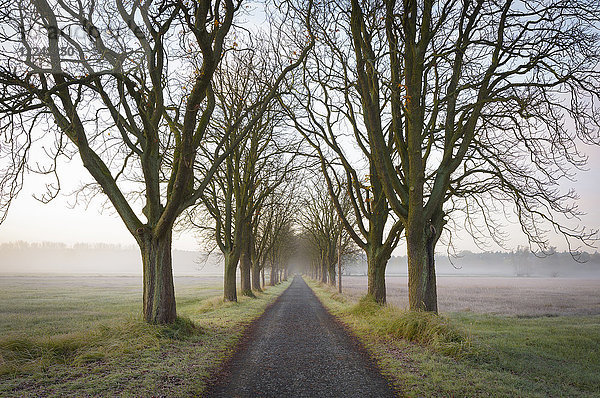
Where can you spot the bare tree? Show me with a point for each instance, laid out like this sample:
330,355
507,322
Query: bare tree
274,233
284,246
327,114
107,80
323,227
258,163
468,107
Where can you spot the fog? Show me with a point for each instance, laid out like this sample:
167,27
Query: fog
519,263
108,259
58,258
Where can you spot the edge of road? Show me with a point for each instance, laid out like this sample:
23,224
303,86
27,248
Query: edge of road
372,360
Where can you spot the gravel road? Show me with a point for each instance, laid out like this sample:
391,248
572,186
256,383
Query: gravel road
297,349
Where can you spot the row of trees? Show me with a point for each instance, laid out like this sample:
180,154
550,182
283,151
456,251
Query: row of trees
325,240
461,111
417,115
245,209
129,87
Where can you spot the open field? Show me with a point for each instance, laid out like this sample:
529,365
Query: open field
83,336
54,304
469,354
496,295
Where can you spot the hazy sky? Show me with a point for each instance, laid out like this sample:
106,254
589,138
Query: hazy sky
31,220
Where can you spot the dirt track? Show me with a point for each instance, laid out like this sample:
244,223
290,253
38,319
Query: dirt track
297,349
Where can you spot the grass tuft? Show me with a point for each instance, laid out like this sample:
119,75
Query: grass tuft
366,306
182,328
419,327
89,357
212,304
60,348
340,298
23,354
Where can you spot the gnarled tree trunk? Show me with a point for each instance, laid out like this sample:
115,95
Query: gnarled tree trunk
422,290
256,271
159,293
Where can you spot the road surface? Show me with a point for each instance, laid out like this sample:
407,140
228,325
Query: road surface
297,349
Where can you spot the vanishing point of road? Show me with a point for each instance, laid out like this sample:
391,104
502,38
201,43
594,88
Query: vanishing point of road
297,349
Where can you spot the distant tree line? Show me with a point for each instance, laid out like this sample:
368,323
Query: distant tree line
520,262
23,245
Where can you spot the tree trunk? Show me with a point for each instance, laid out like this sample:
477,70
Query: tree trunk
378,249
331,270
416,279
323,270
246,262
431,287
339,265
262,276
245,284
229,287
159,293
273,279
376,264
256,277
422,294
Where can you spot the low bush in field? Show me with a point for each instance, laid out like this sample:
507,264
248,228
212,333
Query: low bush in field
420,327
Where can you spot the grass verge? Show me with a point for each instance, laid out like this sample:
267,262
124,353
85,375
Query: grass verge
474,355
94,354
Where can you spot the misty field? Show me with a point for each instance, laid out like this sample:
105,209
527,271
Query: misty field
84,336
497,295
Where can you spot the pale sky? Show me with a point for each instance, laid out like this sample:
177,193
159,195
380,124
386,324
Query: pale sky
30,220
